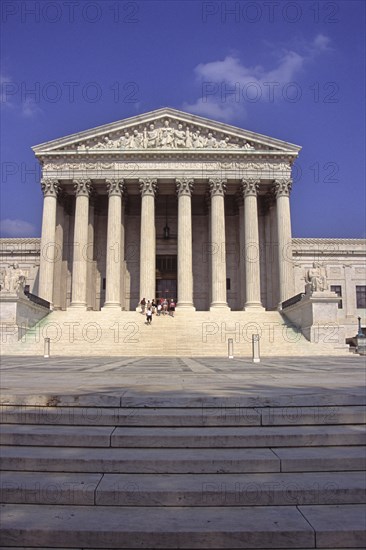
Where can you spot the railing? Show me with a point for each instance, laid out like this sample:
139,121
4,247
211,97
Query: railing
37,300
293,300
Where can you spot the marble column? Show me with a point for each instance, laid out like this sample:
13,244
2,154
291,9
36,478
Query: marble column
185,272
218,244
59,240
113,262
79,267
91,290
285,262
269,245
50,188
122,252
240,206
148,188
249,189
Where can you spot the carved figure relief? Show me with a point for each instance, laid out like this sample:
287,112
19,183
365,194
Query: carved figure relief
168,134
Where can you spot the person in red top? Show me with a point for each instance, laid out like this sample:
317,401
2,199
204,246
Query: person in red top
172,307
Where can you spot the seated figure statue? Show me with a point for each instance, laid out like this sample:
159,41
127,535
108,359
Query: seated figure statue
316,278
13,280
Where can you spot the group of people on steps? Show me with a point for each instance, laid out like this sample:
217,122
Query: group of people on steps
162,306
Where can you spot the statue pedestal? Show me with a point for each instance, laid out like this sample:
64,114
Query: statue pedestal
316,315
17,315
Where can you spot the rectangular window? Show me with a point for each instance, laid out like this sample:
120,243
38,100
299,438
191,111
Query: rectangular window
361,296
228,284
103,283
338,290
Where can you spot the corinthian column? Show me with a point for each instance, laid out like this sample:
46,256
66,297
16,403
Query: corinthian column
251,235
285,266
50,188
218,243
148,189
79,267
185,273
113,264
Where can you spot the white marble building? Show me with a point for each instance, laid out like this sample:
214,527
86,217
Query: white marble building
171,204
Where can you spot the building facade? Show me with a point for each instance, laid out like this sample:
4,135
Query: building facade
168,204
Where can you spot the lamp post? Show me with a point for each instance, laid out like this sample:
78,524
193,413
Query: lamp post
360,334
361,340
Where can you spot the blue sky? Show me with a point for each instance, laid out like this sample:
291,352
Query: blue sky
290,70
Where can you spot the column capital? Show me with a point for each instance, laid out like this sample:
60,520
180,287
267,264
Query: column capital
217,187
115,187
148,186
184,186
82,187
249,187
282,187
50,187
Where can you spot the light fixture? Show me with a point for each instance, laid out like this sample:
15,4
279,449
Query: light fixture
166,228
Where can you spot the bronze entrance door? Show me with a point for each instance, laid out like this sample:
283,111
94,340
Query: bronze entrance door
166,277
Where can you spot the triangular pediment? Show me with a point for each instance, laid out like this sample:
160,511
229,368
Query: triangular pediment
165,130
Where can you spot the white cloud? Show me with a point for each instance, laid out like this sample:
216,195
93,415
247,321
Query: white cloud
10,98
16,228
30,108
321,43
218,77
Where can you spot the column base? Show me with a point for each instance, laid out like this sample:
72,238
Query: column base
111,305
219,306
79,305
186,306
254,306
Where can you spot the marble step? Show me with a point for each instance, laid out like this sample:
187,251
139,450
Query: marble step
155,527
140,460
195,461
281,489
204,416
311,459
51,436
282,416
117,416
49,488
186,437
327,526
220,437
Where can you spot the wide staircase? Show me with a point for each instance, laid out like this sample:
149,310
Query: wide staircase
120,333
195,477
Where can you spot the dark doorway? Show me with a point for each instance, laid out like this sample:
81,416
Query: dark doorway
166,276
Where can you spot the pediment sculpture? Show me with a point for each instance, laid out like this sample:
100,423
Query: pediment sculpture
168,134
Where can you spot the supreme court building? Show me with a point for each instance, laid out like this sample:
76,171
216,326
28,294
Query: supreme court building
166,204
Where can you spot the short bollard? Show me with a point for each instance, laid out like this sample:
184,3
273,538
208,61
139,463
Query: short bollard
230,348
255,348
46,347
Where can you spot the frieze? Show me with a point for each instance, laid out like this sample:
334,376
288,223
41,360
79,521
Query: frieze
259,167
